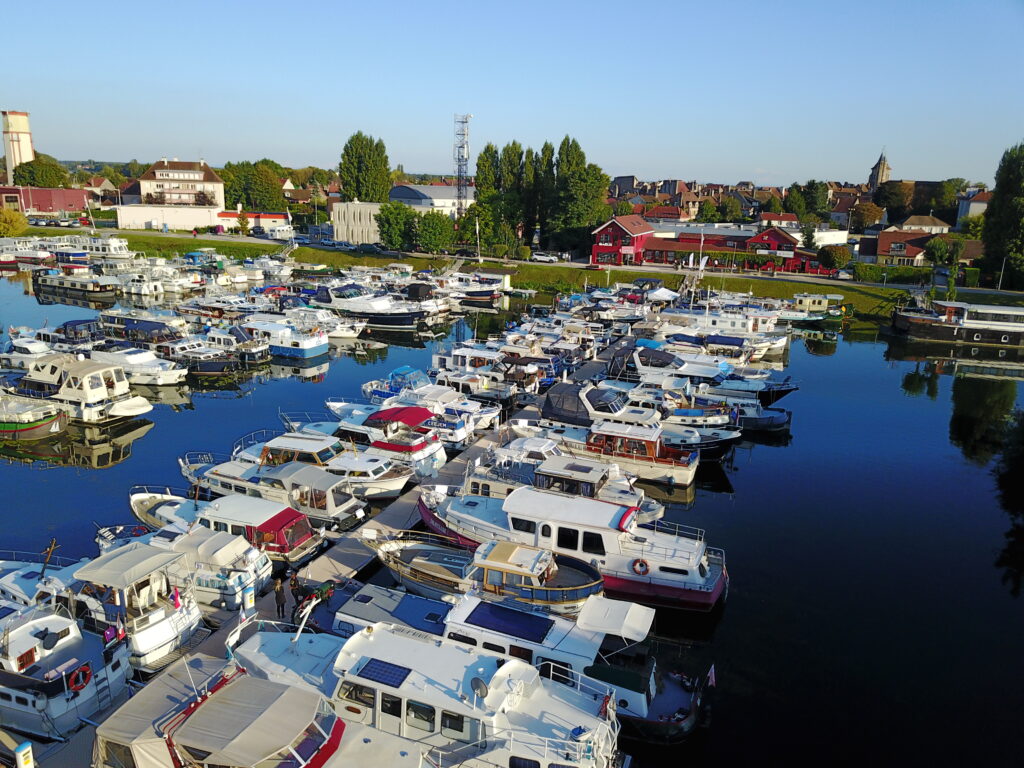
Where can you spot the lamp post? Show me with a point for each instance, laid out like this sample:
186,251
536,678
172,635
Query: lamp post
885,277
1001,270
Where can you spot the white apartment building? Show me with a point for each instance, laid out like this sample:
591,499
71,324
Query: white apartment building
173,182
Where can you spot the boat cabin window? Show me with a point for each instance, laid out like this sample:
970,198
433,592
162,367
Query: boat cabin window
523,762
526,526
518,652
219,526
390,705
460,727
568,538
495,578
27,659
306,458
460,638
702,569
677,571
239,530
358,694
493,647
95,382
545,531
204,522
420,716
593,543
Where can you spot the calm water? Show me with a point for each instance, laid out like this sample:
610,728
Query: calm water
872,614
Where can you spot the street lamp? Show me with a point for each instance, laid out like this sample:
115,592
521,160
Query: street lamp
1001,269
885,277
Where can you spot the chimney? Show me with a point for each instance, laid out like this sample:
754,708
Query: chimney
163,160
175,159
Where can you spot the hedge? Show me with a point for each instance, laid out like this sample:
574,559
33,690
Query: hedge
971,276
876,273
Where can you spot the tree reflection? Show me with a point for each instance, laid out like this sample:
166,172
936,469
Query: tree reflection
981,408
921,382
1009,474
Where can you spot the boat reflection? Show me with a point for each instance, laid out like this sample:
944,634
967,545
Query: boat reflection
363,351
179,398
313,370
88,446
48,298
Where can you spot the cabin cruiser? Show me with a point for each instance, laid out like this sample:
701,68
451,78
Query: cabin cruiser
54,672
140,284
238,343
313,319
72,336
140,365
231,307
402,434
454,704
363,474
541,463
435,566
379,311
410,386
87,286
25,419
201,705
218,565
127,590
677,406
483,373
87,391
660,563
320,495
22,351
658,700
286,340
283,533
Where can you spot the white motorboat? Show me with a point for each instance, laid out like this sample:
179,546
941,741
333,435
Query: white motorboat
87,391
141,366
125,590
324,497
55,673
217,564
365,474
22,351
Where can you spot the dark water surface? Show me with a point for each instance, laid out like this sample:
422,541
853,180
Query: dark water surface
872,616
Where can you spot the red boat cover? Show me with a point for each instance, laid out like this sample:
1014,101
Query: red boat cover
411,416
280,521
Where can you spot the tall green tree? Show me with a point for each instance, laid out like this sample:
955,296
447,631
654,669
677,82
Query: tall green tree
707,212
468,225
114,176
81,176
795,202
895,197
397,225
1003,232
624,208
546,192
808,232
816,197
973,227
510,168
774,205
580,191
954,254
243,223
364,170
487,171
834,256
275,167
529,194
435,232
729,209
265,193
133,169
44,171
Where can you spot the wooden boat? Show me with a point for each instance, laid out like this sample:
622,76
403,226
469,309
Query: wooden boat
23,419
435,566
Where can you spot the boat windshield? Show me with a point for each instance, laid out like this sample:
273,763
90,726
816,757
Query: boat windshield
606,400
326,454
296,533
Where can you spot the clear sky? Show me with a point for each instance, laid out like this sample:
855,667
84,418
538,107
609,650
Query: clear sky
773,92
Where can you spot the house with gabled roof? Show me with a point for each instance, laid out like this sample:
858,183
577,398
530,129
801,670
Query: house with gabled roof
620,240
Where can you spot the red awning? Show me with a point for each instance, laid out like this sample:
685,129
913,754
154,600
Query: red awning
411,416
280,521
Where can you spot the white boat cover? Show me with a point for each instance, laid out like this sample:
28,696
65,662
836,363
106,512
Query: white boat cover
662,294
616,617
120,568
218,548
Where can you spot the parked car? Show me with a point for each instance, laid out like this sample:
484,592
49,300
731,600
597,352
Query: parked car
74,223
544,258
369,248
301,240
842,274
598,267
465,253
345,244
52,223
257,231
84,221
326,242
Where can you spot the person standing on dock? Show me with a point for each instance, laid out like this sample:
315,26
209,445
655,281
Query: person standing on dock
296,588
279,597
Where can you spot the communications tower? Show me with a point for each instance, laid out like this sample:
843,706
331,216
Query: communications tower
462,163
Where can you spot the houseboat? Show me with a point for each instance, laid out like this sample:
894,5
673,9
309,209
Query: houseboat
54,673
85,286
434,567
319,494
363,474
660,563
87,391
283,533
962,323
361,303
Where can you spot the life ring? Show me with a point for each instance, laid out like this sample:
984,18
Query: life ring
140,530
80,678
641,567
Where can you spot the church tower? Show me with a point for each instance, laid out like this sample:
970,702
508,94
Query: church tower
880,172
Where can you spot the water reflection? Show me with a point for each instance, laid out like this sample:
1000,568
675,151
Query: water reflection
1009,475
981,408
81,445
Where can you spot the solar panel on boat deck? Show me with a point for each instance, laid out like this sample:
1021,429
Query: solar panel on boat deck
532,627
384,672
5,611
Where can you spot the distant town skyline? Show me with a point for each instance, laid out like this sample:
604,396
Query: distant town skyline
750,92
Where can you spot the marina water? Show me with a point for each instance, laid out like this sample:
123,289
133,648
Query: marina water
876,556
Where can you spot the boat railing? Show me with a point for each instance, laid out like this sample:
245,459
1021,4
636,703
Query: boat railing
292,420
192,459
159,490
36,557
676,530
254,438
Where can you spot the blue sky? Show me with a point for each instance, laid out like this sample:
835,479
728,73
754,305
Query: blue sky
769,91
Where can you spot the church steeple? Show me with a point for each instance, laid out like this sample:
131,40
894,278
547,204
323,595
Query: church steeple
880,172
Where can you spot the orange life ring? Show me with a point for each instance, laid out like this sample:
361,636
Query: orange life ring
641,567
80,678
140,530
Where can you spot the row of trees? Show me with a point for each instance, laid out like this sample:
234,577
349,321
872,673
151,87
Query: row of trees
1003,224
908,198
558,195
402,228
256,186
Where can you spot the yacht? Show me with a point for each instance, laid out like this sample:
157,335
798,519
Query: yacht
286,340
87,391
140,365
54,673
364,474
22,351
127,590
283,533
322,496
659,563
379,311
401,434
72,336
434,566
218,565
239,343
452,704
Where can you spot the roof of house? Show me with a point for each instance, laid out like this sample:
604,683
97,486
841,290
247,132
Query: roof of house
664,244
633,224
845,203
664,212
178,165
923,221
913,239
777,217
95,181
421,192
781,233
983,196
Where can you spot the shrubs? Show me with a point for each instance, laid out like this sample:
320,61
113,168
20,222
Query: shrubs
877,273
523,253
971,276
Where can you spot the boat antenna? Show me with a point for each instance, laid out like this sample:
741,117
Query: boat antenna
49,553
192,682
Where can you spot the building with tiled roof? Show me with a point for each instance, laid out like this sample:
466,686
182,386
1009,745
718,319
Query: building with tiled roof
767,219
972,205
175,182
929,224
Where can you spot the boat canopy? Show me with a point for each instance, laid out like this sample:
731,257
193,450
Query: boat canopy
650,343
411,416
616,617
218,548
564,402
120,568
662,294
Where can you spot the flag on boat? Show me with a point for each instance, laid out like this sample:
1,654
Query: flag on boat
177,599
711,677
